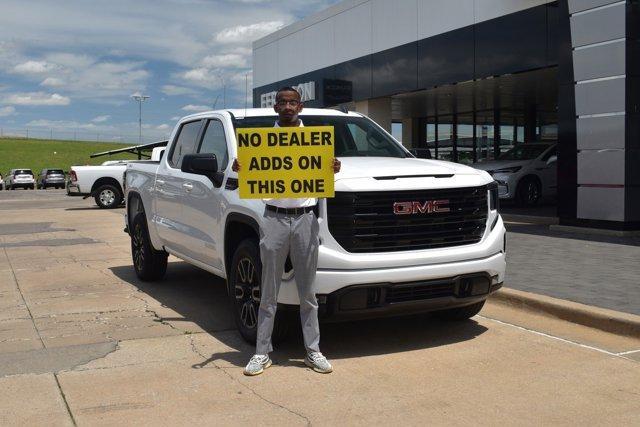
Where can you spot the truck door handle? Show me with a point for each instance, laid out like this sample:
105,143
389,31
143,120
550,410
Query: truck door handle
159,182
187,186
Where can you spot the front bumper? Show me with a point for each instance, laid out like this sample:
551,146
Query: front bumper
392,299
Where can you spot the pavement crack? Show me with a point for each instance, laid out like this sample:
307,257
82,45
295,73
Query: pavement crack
15,280
159,318
64,399
245,386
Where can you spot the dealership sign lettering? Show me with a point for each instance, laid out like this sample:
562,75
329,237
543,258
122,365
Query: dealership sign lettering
307,92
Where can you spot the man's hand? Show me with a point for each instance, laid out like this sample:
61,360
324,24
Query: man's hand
336,165
236,166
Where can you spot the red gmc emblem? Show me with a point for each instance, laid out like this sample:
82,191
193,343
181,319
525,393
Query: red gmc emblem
430,206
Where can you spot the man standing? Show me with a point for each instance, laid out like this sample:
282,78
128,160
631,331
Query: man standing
290,228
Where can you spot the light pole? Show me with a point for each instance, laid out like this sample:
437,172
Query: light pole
140,98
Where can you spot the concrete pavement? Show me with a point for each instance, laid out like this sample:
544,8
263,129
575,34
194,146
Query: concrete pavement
83,342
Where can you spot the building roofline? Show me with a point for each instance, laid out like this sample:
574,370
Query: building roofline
307,22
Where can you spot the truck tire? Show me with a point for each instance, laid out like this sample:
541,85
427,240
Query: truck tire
108,196
461,313
245,278
149,263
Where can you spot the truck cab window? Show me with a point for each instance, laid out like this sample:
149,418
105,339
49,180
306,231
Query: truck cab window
214,142
185,143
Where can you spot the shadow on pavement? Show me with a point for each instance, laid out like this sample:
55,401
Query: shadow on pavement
200,297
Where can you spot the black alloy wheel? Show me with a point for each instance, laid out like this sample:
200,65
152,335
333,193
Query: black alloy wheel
148,263
244,292
529,192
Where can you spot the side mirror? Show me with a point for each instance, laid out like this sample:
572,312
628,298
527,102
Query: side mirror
202,164
551,160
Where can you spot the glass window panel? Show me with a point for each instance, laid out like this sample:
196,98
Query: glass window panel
431,139
445,139
186,143
214,142
465,140
484,134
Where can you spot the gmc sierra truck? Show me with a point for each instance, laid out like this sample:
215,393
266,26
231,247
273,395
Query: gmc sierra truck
402,235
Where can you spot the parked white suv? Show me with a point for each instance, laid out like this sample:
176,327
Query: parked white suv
384,248
526,173
20,178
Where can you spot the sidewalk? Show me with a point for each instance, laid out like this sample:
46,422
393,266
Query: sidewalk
596,270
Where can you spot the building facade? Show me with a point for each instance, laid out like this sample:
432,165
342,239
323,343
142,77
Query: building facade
469,79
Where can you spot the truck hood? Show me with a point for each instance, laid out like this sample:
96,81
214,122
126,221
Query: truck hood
396,174
380,167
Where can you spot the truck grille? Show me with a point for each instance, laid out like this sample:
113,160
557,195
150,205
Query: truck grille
366,222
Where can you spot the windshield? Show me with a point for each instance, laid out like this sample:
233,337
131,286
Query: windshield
354,136
23,172
55,172
524,152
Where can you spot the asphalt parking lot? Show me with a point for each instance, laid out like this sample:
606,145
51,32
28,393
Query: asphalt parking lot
83,342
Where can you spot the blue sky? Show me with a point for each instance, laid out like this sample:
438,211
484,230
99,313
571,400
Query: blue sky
72,65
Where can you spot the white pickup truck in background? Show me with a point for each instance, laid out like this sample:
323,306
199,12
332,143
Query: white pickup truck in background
104,182
402,235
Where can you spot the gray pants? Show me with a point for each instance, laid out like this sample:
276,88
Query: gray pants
296,235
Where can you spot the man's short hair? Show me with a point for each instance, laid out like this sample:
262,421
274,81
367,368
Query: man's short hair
287,89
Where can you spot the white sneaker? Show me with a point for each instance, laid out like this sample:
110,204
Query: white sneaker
316,361
257,364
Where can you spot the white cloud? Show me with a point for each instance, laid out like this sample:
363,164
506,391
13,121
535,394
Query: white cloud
71,60
173,90
247,33
52,82
101,119
7,111
196,108
35,98
227,60
164,127
201,75
176,118
33,67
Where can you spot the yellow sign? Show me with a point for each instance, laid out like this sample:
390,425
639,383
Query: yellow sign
287,162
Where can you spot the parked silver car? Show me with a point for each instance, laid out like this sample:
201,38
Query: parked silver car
525,173
17,178
51,178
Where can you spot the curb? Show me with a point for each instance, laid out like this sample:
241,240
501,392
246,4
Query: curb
594,231
611,321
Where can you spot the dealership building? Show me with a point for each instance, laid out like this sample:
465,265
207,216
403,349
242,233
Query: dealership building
469,79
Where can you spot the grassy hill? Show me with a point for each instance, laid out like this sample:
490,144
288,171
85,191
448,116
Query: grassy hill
37,154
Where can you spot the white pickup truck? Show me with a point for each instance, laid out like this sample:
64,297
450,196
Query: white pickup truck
402,235
103,182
